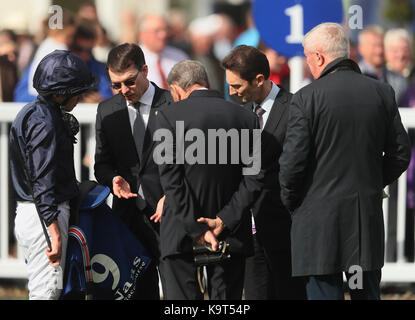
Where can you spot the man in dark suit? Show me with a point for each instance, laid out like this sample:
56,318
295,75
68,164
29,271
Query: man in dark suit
198,183
268,272
345,142
124,147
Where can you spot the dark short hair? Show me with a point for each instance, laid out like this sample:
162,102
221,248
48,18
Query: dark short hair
248,61
85,30
124,56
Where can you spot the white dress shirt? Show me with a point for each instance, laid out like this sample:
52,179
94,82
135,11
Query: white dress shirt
145,106
268,102
169,57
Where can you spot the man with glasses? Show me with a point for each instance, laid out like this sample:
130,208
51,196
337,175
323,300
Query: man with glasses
124,152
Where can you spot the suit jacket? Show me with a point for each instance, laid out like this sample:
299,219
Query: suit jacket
345,142
116,155
201,190
262,192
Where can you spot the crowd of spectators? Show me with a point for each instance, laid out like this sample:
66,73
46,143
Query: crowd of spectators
164,40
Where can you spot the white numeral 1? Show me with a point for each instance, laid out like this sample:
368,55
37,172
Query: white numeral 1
296,15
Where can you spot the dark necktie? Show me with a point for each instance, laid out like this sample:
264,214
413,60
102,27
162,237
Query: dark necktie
260,112
139,130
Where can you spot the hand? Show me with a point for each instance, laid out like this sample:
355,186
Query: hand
208,237
215,225
55,254
159,211
122,188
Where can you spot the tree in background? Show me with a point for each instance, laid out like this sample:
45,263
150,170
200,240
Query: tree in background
399,12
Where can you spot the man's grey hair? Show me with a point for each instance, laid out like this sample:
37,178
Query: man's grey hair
188,73
329,38
394,35
372,29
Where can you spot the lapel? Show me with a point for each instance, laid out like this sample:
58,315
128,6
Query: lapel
158,100
278,109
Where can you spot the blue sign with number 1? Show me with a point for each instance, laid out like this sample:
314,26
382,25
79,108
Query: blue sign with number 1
282,24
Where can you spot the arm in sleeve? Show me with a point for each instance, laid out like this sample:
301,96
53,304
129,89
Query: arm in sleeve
41,166
103,168
248,191
295,155
179,196
397,147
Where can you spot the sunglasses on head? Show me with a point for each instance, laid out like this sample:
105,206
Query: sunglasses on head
128,83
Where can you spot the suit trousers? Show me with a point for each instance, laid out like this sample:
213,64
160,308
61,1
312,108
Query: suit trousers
224,280
268,275
330,287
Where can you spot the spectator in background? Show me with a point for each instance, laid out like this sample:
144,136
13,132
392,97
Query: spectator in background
103,45
26,49
57,39
250,36
160,58
128,24
84,41
88,11
371,49
202,33
8,69
398,51
224,37
8,45
177,23
398,47
280,71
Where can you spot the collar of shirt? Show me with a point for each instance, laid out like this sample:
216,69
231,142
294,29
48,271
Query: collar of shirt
146,101
268,102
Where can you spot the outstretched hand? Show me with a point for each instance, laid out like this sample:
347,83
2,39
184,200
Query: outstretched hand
122,189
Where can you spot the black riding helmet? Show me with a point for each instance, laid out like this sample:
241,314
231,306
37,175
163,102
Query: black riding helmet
62,72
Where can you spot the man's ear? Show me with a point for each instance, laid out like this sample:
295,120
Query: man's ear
176,92
260,79
144,70
321,60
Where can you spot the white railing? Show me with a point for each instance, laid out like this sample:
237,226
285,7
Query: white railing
14,267
12,259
